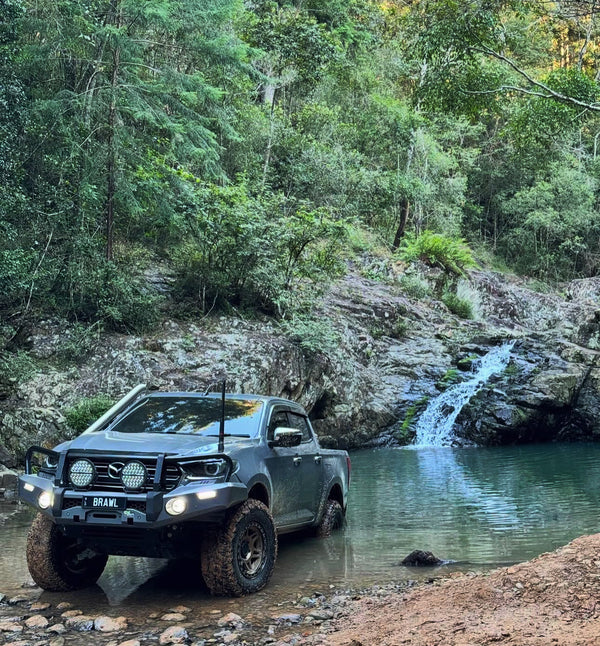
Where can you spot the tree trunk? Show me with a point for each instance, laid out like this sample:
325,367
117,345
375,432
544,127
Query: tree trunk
404,212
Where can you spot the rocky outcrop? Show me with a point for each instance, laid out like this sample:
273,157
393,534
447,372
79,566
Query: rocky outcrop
392,354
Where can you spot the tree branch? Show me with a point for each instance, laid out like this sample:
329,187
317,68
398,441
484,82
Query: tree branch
549,92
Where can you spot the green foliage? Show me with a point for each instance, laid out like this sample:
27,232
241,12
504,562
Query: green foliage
314,335
451,254
457,305
240,252
87,411
15,368
415,286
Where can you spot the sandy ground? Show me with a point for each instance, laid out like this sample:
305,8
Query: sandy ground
553,599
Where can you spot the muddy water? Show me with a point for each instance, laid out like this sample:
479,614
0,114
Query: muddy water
477,507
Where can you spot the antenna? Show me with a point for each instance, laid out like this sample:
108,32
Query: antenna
222,424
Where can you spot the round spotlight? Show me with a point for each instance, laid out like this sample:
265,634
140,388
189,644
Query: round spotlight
133,475
45,500
176,506
81,473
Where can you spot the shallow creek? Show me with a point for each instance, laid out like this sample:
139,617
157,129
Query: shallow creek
476,508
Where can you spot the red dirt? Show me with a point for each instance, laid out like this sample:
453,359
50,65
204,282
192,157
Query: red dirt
551,600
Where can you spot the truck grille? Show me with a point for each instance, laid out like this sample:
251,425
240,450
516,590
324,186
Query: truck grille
170,477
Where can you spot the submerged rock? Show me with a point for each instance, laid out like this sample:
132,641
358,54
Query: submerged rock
419,558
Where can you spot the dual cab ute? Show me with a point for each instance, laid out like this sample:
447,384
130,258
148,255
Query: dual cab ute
182,475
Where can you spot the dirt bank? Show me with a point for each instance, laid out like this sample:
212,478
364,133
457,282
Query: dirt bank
553,599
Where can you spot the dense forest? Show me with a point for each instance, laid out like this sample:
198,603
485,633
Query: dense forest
248,149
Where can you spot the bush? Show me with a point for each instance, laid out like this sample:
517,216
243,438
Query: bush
415,286
87,411
313,335
451,254
458,306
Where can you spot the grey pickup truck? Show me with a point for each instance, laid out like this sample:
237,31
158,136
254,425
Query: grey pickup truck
213,477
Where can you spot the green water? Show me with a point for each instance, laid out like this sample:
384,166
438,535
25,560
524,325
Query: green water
477,507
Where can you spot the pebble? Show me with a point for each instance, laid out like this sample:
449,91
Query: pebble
18,643
110,624
64,605
57,641
18,599
57,628
321,614
71,613
130,642
230,618
183,609
81,623
173,635
10,627
173,616
38,606
290,618
37,621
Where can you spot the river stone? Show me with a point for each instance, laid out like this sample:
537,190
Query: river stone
110,624
37,621
173,635
64,605
57,641
419,558
10,627
81,623
38,606
230,619
173,616
71,613
130,642
57,628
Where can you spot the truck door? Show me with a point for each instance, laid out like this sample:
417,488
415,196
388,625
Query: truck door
311,467
285,468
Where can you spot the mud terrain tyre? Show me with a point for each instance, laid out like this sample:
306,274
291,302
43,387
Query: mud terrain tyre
58,563
238,559
332,519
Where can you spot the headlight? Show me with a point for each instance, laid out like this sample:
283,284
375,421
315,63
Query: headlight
81,473
176,506
45,500
133,475
206,470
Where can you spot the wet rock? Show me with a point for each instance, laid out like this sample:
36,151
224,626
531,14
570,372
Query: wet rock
18,643
419,558
182,609
290,618
81,623
57,628
110,624
71,613
13,601
173,616
2,597
37,621
130,642
10,627
321,614
231,619
64,605
39,606
173,635
57,641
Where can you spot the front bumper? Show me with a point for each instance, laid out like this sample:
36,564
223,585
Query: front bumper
203,503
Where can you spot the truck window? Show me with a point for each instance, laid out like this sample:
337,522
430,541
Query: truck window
299,422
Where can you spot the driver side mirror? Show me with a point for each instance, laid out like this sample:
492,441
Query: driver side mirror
286,437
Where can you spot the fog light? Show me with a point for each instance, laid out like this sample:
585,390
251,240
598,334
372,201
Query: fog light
176,506
206,495
45,500
28,486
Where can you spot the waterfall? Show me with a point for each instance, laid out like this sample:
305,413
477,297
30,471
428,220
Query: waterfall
435,426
